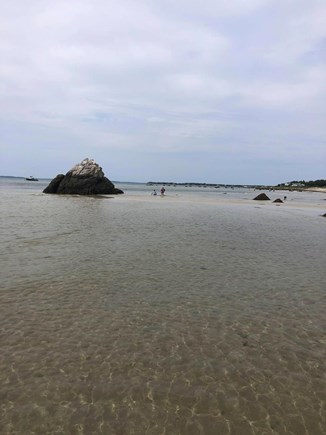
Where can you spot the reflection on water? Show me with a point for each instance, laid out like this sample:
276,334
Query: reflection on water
122,316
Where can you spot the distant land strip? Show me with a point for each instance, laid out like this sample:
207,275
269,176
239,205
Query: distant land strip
291,185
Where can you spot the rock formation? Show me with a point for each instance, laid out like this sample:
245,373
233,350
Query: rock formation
278,200
85,178
262,197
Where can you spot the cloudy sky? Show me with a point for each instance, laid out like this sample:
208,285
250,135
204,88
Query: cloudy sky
225,91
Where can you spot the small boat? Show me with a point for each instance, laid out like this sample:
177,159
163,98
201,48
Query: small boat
31,178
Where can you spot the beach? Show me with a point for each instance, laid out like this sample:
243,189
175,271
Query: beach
316,189
200,312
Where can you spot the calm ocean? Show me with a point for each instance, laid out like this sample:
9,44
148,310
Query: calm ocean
202,312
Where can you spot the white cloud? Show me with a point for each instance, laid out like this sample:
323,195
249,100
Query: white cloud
162,75
299,35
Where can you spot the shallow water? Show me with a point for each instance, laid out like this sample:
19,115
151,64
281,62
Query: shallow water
197,313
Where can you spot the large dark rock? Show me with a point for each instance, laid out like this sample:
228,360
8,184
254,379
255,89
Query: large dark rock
262,197
54,184
278,200
85,178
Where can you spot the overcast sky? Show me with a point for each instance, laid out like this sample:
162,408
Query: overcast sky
225,91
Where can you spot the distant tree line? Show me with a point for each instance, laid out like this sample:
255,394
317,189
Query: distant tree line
315,183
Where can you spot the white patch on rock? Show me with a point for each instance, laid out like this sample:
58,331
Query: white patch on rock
86,168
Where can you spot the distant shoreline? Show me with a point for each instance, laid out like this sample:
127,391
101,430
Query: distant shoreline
209,185
242,186
316,189
301,189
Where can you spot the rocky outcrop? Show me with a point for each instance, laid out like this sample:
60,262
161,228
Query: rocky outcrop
262,197
54,184
85,178
278,200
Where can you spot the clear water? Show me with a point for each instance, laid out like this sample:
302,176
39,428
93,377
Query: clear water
202,312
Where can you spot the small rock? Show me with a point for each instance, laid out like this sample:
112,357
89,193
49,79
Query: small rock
262,197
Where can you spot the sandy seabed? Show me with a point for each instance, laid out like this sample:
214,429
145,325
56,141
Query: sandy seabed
174,315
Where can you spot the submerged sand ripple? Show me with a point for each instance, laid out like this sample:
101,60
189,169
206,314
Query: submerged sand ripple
163,320
189,368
